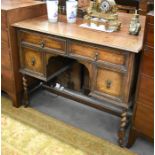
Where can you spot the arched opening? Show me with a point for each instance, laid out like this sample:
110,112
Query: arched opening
71,75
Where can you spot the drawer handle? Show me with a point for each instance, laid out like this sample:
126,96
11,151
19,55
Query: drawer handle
108,84
42,44
96,56
33,61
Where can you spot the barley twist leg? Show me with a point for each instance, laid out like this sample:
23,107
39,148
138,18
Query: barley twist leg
26,96
121,133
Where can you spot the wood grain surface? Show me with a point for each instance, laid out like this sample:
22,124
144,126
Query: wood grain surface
116,79
14,4
93,53
32,60
14,11
120,40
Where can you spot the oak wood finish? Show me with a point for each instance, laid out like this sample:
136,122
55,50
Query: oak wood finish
26,96
90,52
32,60
148,64
123,124
108,67
6,79
109,82
43,41
143,118
14,11
119,40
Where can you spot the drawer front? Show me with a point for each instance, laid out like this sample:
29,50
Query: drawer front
32,38
43,41
144,120
6,80
94,53
148,62
32,60
146,91
55,43
109,82
150,34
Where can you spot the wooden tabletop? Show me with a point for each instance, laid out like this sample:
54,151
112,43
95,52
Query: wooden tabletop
13,4
120,40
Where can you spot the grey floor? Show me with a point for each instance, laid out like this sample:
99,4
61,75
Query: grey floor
86,118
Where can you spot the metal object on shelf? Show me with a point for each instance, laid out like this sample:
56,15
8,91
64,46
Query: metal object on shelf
103,12
134,27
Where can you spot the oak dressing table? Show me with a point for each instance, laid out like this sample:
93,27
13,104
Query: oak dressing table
108,60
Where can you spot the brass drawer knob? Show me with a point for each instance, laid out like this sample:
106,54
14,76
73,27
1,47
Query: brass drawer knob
42,44
108,84
33,61
96,56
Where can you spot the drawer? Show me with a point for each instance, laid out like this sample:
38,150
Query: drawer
103,54
6,80
32,60
146,91
150,35
144,120
29,37
5,56
43,41
148,62
109,82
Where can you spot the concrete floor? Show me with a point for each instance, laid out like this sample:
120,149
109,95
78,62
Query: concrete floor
86,118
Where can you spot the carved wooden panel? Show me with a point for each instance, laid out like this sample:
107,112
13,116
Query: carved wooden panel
32,60
109,82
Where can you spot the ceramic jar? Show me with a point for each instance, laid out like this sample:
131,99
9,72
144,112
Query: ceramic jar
71,10
52,10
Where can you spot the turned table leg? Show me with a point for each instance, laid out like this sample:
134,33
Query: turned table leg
122,130
26,96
